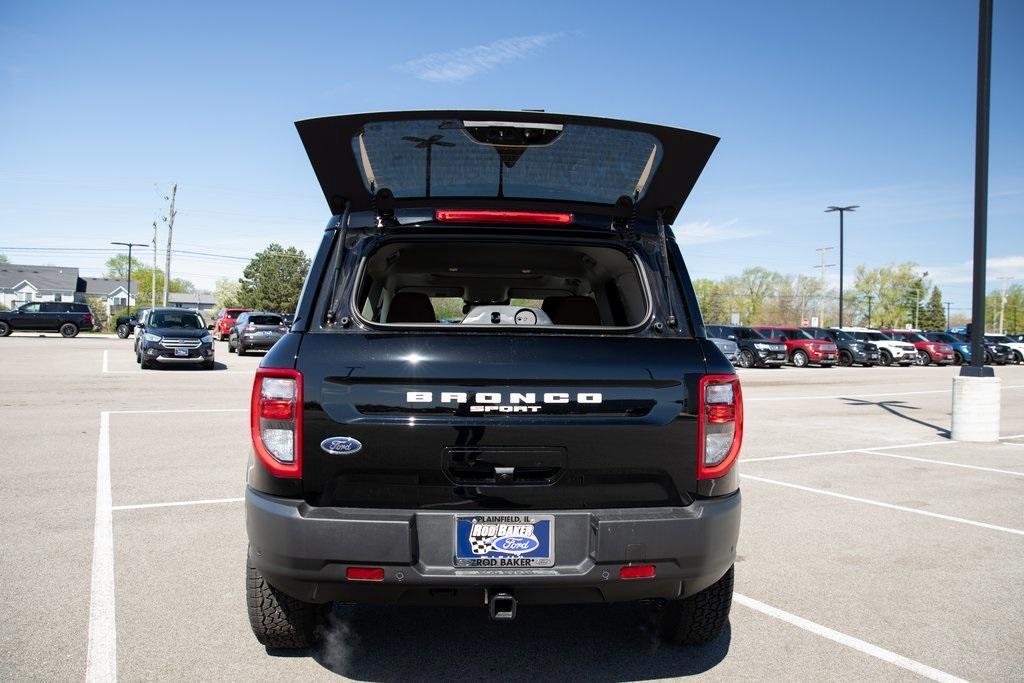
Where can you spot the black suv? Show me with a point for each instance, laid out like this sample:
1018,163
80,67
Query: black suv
173,336
852,351
68,318
255,331
498,389
124,325
756,350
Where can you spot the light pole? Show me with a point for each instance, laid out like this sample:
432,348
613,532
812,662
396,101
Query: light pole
823,266
128,299
842,210
917,298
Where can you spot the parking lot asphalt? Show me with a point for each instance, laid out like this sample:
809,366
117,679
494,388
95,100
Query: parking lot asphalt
872,546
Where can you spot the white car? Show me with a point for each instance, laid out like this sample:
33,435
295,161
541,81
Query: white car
890,351
1018,347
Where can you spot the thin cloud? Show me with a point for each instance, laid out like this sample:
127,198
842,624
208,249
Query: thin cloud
995,268
706,232
465,63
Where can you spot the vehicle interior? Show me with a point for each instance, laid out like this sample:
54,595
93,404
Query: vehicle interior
180,321
491,284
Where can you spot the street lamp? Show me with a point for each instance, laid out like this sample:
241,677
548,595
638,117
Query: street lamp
917,299
128,298
842,210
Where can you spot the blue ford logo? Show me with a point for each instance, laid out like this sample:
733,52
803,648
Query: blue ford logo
516,544
341,445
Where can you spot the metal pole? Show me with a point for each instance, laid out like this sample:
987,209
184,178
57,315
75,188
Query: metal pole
977,367
948,304
841,212
152,301
170,231
129,245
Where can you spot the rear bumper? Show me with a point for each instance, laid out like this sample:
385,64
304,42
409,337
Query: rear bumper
305,552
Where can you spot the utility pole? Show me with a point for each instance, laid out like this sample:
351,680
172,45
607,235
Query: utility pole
948,305
917,298
169,219
821,307
130,245
152,302
1002,305
842,210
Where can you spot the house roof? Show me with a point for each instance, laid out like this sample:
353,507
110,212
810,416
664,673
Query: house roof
190,298
104,286
43,278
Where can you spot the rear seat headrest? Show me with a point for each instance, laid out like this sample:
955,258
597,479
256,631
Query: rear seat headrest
411,307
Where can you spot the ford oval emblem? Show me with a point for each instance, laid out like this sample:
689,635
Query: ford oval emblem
515,544
341,445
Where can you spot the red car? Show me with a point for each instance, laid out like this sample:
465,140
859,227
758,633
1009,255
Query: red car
928,351
801,348
226,320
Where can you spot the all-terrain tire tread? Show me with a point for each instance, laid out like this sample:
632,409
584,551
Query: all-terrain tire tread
277,619
699,618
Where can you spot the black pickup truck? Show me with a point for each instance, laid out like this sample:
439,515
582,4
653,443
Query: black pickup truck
67,318
497,390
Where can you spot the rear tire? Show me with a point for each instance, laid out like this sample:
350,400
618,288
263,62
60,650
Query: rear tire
68,330
958,359
123,331
800,359
277,619
923,358
5,329
240,349
845,359
885,358
699,618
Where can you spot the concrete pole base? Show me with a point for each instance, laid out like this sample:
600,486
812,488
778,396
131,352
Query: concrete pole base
975,409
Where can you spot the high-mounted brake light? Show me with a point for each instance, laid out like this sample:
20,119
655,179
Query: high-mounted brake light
520,217
719,424
275,421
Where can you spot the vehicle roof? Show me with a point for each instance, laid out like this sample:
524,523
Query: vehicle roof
341,170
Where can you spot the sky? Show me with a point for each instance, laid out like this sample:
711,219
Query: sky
104,105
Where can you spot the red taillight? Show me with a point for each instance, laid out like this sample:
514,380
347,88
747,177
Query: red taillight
275,421
637,571
479,216
719,424
87,318
364,573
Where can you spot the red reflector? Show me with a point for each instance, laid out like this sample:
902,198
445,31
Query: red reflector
478,216
637,571
272,409
718,414
364,573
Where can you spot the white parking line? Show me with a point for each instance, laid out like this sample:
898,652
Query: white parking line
889,506
849,641
101,662
747,399
944,462
790,456
179,410
208,501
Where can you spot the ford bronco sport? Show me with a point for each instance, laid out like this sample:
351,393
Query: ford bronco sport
497,390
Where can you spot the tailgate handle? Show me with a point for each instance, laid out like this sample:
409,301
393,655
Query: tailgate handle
504,466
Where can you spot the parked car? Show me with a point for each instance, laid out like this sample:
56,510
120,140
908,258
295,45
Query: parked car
851,350
255,331
289,318
1016,348
928,351
961,349
124,325
225,320
66,317
755,350
802,349
577,446
995,354
728,348
890,351
173,335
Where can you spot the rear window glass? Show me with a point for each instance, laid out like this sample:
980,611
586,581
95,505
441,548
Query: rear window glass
266,320
462,283
456,158
234,312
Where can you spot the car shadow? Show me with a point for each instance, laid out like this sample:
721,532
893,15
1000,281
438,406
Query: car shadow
189,367
895,408
574,642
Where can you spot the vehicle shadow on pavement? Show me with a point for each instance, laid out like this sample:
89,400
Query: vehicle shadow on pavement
190,367
895,408
574,642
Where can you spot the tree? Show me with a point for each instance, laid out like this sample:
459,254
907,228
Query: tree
226,291
933,316
143,278
3,259
117,267
893,291
273,279
711,297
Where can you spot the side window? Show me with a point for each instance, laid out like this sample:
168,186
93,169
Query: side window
30,308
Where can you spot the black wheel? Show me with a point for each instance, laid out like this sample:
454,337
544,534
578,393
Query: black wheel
1018,358
231,346
800,359
208,365
958,359
845,359
746,359
923,358
279,620
885,358
5,329
222,337
68,330
123,331
240,349
699,618
146,364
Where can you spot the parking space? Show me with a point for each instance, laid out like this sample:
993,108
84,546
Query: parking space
871,545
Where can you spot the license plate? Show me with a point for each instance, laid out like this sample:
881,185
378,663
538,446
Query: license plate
504,541
263,334
181,352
